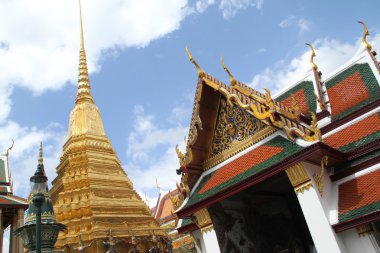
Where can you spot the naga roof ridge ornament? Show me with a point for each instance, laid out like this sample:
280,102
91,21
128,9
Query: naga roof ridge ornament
201,73
366,33
317,76
372,54
232,78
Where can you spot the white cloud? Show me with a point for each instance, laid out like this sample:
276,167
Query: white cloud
151,152
230,8
330,55
301,23
286,22
146,135
261,50
202,5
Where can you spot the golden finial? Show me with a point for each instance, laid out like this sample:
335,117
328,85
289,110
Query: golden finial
40,156
313,65
84,89
366,33
232,79
158,186
201,73
81,26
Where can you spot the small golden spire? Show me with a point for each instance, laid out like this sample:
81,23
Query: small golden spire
40,156
313,65
81,26
201,73
84,88
366,33
232,79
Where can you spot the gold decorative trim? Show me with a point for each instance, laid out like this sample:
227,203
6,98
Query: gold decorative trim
207,229
232,79
238,147
202,218
366,33
266,112
365,229
318,178
312,63
299,178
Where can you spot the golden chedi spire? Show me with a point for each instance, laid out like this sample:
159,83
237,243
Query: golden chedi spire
92,194
85,117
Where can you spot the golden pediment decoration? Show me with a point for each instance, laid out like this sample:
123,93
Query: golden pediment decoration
235,131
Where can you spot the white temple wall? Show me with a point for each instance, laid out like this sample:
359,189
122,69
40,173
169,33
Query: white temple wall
207,240
358,244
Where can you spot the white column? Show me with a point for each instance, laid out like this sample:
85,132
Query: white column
324,237
207,240
20,221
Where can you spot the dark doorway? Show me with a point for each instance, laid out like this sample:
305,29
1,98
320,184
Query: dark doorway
265,218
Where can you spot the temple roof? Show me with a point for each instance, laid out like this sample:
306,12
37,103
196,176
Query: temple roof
352,89
359,197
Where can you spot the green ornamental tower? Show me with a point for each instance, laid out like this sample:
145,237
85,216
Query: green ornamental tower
49,226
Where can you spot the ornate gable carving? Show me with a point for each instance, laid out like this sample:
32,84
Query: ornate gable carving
235,130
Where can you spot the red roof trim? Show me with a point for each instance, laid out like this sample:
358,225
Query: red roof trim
372,217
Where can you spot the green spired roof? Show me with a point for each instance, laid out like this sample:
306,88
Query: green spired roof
281,148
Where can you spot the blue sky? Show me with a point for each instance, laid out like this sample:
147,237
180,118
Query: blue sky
141,78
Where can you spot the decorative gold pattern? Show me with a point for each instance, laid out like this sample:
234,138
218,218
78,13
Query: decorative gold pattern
318,178
364,229
207,229
366,33
299,178
202,218
233,125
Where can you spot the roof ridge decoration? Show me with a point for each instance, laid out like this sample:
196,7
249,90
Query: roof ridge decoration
265,108
368,46
320,97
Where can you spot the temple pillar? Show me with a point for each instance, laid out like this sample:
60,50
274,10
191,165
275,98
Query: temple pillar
12,239
20,223
324,237
206,240
1,230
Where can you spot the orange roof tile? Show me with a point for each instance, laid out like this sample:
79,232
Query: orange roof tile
355,91
300,97
240,165
354,132
359,192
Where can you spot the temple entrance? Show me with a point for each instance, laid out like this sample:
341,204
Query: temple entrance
265,218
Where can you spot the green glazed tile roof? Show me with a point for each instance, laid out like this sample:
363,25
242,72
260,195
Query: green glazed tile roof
359,212
283,148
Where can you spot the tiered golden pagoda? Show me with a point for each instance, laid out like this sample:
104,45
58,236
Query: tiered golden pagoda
92,194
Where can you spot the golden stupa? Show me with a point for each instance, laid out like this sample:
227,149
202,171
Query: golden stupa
92,195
